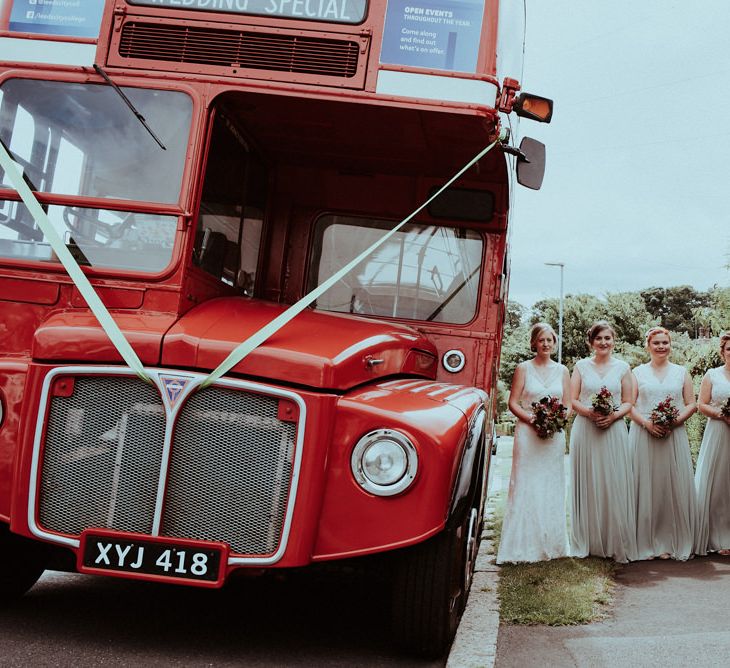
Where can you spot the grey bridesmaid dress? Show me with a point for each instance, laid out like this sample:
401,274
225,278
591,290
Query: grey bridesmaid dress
663,477
602,484
713,475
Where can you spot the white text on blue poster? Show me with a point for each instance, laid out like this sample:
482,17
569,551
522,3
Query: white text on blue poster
435,34
73,18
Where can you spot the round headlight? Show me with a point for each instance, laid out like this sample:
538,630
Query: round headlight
384,462
453,360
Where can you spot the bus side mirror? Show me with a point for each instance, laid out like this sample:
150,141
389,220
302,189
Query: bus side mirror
533,107
531,163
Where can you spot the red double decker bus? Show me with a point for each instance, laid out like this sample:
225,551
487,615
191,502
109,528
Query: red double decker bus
253,271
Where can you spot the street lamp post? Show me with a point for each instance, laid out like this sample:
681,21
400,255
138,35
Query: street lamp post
560,310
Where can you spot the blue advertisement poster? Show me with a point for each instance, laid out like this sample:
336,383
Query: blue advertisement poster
73,18
438,34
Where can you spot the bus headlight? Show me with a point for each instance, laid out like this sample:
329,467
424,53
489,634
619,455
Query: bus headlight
384,462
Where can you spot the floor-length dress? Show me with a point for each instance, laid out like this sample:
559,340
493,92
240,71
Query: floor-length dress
663,478
713,474
534,527
603,509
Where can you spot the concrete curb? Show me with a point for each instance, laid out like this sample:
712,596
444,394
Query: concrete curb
475,645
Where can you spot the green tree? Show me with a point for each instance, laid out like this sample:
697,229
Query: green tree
515,349
627,313
579,313
514,316
675,307
624,310
715,317
515,343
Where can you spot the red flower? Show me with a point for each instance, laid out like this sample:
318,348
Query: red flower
665,413
549,416
602,402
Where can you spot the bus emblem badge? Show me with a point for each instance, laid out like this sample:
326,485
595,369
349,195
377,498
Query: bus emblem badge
174,386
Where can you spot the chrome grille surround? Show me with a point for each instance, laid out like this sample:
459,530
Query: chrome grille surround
229,440
111,480
120,454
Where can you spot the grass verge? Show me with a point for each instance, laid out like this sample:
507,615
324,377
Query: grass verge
557,592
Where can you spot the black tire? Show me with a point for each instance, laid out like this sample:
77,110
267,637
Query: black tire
21,564
431,584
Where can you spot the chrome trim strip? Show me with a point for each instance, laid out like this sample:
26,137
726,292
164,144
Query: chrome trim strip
156,374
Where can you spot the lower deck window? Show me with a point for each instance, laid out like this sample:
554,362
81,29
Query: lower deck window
98,238
423,272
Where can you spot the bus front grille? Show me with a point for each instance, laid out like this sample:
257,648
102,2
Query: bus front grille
228,477
232,52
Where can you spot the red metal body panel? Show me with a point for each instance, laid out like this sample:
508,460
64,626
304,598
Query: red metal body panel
354,522
324,148
324,350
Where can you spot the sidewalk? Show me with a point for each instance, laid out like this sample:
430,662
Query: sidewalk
666,613
475,645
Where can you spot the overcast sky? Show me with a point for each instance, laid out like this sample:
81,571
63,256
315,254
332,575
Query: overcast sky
636,189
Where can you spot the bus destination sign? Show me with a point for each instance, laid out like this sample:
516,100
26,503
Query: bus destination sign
337,11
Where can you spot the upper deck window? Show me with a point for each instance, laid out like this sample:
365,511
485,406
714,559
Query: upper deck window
82,140
335,11
423,272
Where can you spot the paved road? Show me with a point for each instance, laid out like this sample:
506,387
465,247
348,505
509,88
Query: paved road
74,620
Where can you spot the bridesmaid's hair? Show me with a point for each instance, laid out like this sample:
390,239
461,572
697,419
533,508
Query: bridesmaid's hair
537,329
653,331
724,338
596,328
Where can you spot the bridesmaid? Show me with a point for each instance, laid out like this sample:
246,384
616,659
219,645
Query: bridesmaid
713,467
665,493
603,507
534,527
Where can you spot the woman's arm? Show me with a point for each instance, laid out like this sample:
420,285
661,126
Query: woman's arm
703,403
690,403
655,430
566,399
518,385
576,384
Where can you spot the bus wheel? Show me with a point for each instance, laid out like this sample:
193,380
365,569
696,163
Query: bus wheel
431,583
21,564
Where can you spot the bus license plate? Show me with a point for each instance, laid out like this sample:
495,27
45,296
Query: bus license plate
184,561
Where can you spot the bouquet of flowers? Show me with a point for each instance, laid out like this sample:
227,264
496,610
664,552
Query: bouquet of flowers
602,402
665,413
549,416
725,408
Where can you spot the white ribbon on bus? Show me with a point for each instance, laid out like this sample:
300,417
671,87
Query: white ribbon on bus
72,267
243,349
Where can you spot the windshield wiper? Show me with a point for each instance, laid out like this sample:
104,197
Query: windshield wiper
128,102
446,302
